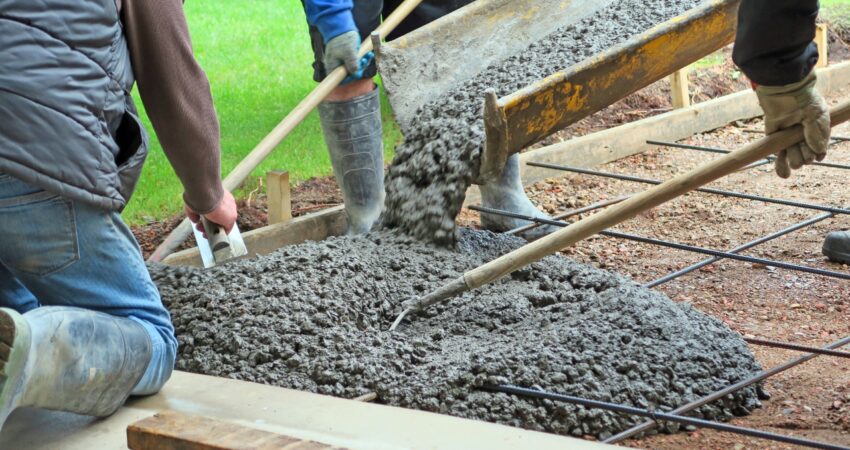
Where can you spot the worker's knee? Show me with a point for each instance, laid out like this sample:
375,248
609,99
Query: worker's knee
163,357
351,90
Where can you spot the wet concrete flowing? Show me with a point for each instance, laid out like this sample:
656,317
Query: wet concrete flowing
313,317
427,181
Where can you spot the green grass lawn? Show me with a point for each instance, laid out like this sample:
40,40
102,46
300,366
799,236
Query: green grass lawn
258,58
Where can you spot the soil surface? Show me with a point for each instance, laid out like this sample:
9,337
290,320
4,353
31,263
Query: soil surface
427,180
314,317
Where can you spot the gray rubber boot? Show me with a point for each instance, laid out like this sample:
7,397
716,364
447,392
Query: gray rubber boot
69,359
353,134
836,246
507,194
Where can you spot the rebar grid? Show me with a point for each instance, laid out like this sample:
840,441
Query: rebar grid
675,415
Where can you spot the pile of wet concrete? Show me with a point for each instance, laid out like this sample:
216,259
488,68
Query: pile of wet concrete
427,180
314,317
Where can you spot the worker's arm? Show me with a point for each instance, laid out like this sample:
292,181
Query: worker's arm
177,98
774,45
775,49
331,17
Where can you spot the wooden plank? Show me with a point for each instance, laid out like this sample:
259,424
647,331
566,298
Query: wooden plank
262,241
679,92
279,199
171,430
822,41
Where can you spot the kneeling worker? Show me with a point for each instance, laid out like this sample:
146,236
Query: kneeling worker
82,326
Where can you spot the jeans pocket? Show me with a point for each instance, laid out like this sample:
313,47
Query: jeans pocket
39,233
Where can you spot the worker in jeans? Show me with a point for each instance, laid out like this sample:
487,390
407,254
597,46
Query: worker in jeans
774,49
82,325
351,114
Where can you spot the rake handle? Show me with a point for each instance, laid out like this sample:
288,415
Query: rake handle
243,170
616,214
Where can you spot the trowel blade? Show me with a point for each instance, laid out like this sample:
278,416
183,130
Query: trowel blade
203,248
236,249
210,258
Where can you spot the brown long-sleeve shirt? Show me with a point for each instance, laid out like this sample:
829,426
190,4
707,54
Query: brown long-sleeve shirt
176,95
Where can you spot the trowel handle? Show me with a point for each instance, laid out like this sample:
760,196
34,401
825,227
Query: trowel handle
215,235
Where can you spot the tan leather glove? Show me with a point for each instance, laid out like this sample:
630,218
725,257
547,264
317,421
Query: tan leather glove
798,103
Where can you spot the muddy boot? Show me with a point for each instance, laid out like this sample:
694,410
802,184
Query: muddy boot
836,247
507,194
353,135
69,359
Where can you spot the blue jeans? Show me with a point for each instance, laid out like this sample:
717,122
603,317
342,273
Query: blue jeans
57,252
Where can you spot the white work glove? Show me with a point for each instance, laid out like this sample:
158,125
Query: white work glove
796,104
342,51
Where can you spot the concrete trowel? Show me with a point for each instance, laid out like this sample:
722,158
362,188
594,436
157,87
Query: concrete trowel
218,246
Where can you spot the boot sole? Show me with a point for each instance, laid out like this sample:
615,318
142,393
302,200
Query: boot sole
14,349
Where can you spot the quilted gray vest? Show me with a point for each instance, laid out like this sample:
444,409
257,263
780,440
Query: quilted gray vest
67,121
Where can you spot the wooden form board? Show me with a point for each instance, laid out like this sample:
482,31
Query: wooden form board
170,430
303,415
262,241
586,151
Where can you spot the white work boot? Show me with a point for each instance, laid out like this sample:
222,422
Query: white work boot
507,194
69,359
353,134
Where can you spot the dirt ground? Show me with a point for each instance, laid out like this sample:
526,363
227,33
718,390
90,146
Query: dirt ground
811,400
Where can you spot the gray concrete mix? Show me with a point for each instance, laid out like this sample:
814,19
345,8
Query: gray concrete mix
314,317
427,181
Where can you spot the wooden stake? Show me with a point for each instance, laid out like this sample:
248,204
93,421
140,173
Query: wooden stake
679,89
822,41
278,195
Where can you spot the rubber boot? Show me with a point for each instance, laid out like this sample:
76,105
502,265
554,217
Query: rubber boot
836,246
507,194
69,359
353,134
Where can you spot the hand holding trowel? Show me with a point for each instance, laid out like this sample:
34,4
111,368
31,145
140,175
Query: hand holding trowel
215,244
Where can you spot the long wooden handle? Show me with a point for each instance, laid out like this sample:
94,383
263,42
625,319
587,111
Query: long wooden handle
635,205
243,170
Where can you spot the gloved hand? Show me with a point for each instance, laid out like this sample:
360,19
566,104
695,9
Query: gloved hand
342,51
798,103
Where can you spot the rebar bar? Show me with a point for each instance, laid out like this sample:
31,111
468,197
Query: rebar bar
761,376
746,246
571,213
724,151
669,417
742,195
797,347
662,416
674,245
